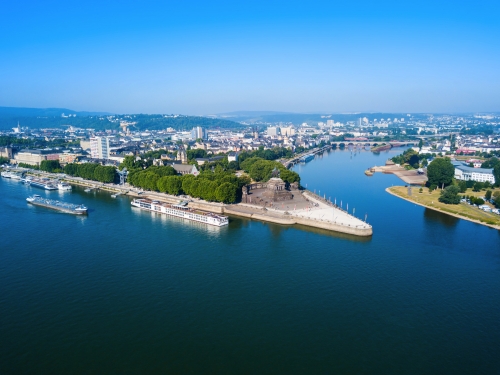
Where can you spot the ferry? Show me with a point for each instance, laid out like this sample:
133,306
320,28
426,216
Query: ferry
75,209
181,210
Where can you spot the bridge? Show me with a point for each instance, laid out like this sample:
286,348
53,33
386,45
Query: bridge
372,143
296,159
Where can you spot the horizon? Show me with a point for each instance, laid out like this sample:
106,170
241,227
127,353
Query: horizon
217,58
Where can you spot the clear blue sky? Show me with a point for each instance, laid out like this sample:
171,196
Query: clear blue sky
209,57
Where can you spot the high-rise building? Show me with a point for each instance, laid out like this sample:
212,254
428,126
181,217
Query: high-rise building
273,130
99,147
198,133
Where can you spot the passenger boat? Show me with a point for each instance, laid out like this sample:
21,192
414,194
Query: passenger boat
75,209
43,183
181,210
63,186
306,158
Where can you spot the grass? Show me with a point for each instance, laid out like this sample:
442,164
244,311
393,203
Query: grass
461,210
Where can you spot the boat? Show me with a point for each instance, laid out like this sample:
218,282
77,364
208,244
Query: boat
43,183
181,210
88,190
306,158
63,186
75,209
6,174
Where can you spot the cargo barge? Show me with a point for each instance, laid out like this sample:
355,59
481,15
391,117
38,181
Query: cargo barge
69,208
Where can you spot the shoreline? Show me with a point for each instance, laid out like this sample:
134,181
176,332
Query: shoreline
497,227
238,209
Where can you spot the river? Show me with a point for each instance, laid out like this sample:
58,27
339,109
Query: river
124,291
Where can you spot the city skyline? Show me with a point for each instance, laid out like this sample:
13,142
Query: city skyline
202,59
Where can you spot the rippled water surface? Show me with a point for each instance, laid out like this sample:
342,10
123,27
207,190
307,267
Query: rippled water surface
124,291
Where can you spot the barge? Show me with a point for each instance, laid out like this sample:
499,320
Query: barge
181,210
69,208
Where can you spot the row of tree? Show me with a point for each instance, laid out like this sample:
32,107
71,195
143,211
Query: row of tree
218,185
261,170
92,171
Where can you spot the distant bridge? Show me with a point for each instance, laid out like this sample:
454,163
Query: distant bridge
291,162
372,143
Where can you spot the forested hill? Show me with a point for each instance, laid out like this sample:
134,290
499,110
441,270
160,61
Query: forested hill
35,118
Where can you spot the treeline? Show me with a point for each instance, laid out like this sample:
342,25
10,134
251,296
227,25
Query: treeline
412,158
153,122
261,170
91,171
218,185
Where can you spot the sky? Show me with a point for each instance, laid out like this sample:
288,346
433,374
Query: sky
201,58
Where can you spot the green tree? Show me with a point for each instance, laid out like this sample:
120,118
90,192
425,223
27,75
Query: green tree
440,172
488,194
226,193
450,195
496,174
50,166
462,186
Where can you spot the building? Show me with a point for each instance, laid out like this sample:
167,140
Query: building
185,169
33,157
99,148
466,173
6,152
198,133
273,130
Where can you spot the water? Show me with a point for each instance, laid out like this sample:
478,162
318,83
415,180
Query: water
123,291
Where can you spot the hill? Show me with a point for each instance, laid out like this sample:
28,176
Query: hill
36,118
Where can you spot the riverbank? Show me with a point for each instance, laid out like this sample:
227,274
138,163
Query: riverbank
322,215
461,211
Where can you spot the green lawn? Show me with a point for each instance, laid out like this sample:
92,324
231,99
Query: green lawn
462,209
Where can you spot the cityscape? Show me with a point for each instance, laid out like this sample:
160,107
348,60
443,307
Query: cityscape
283,188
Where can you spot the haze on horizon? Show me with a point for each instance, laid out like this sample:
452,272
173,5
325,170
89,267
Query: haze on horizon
213,57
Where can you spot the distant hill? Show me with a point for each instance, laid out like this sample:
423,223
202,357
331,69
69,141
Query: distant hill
299,118
43,112
36,118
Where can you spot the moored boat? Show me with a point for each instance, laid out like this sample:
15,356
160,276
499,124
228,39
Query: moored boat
181,210
63,186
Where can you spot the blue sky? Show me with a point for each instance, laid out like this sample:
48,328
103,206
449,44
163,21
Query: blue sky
211,57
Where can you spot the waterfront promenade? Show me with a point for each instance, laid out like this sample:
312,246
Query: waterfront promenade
306,209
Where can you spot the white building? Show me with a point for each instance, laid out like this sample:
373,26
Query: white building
198,133
466,173
99,147
273,130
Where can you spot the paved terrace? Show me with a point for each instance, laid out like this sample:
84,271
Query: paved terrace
305,205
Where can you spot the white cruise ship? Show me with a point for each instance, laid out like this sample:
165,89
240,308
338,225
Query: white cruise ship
181,210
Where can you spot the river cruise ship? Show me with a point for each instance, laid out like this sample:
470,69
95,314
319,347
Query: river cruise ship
181,210
75,209
42,183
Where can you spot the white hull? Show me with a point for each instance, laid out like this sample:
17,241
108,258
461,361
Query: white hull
182,212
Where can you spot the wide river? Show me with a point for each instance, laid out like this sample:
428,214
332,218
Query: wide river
123,291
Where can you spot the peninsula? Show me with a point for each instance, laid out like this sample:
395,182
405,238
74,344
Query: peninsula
462,211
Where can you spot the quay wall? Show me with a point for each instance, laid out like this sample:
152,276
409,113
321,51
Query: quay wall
224,209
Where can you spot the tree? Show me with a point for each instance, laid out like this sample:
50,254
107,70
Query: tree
450,195
488,195
496,174
462,186
496,201
226,193
50,166
440,172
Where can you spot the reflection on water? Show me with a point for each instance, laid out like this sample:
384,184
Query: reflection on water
178,223
448,220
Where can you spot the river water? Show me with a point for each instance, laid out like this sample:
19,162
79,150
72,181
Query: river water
123,291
